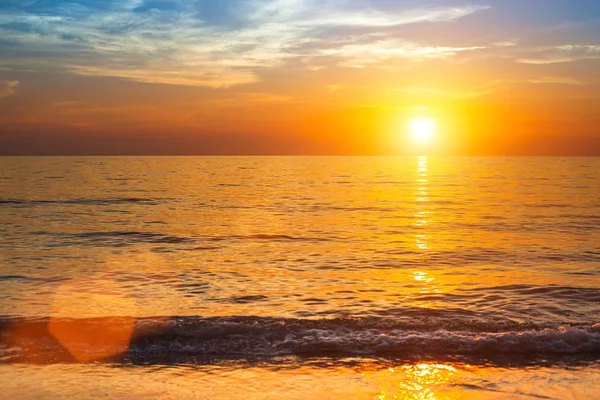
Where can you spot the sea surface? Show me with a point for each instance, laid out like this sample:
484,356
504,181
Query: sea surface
300,277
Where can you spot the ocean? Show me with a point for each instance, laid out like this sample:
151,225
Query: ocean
300,277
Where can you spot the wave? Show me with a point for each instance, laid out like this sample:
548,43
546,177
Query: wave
129,238
31,278
94,202
253,336
274,237
112,238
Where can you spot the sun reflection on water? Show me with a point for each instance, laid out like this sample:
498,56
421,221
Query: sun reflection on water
422,207
422,221
425,381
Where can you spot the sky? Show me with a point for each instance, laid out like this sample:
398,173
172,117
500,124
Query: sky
498,77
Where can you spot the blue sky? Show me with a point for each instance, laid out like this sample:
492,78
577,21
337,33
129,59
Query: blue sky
224,42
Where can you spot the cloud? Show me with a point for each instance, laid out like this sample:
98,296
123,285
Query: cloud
382,51
215,43
486,88
67,104
435,92
556,80
8,88
506,43
562,54
210,77
339,13
248,98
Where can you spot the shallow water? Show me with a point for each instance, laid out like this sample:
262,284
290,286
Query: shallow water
318,256
378,379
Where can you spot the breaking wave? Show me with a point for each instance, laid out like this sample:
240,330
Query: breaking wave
252,336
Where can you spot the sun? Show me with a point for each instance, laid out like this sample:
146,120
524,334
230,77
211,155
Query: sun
422,129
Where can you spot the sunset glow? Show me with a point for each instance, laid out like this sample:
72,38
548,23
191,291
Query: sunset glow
297,77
